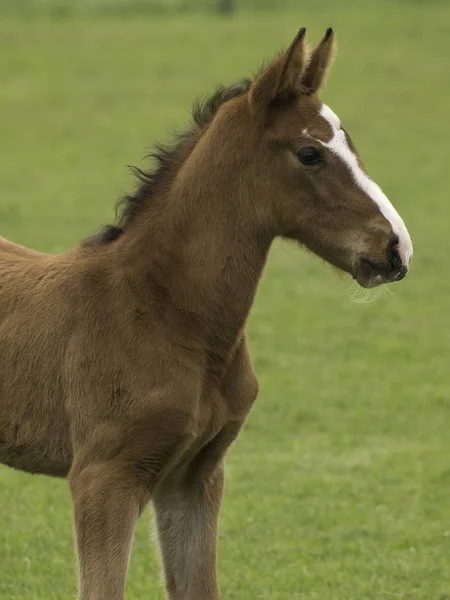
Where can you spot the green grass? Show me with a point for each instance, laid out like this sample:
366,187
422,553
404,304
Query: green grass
339,487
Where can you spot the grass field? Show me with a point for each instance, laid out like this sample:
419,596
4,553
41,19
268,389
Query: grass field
339,487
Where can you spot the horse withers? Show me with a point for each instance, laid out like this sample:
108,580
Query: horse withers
124,364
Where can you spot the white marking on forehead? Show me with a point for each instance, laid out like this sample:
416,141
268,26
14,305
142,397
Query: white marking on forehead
339,146
330,116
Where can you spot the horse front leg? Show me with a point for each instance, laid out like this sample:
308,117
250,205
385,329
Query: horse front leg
107,504
186,507
112,480
186,519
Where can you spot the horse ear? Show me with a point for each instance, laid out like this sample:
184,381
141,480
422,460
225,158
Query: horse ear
282,76
321,59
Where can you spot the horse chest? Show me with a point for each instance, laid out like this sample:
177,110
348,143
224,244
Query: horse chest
229,398
222,403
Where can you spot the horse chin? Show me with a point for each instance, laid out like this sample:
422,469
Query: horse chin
369,282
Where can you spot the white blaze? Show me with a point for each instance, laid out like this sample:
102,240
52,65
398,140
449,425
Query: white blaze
339,146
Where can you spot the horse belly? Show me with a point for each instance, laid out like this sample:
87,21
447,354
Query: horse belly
36,446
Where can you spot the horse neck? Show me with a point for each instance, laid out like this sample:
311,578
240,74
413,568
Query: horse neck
203,251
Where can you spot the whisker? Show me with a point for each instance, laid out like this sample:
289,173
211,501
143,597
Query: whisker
359,295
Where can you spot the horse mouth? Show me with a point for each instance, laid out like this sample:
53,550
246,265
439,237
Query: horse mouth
369,274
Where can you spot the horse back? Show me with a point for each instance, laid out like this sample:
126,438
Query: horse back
17,250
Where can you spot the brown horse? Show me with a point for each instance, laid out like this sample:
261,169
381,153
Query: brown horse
124,363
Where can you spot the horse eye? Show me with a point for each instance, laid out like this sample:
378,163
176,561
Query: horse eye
309,156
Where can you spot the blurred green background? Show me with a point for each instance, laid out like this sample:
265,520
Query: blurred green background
339,487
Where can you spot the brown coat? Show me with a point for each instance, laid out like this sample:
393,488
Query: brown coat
124,363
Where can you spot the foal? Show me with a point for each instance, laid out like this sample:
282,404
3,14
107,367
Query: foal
124,363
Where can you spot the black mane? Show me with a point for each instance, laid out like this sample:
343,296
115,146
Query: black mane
166,157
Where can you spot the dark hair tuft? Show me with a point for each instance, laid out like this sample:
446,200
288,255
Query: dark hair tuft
167,159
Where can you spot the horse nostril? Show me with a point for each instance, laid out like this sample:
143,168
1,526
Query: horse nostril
393,255
401,274
397,270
